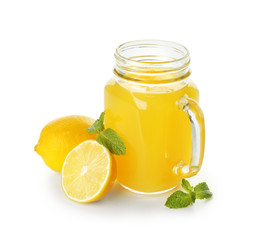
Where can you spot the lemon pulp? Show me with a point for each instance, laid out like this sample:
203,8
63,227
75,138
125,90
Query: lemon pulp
88,172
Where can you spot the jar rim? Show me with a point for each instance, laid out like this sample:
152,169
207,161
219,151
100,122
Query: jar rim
178,48
152,61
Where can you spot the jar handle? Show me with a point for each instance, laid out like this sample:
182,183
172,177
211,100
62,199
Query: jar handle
196,117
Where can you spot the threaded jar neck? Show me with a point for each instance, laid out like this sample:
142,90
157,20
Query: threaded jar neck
152,61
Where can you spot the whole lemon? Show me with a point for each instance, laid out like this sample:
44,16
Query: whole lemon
60,136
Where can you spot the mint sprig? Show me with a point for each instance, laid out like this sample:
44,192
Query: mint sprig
98,125
107,137
180,199
186,185
202,191
111,140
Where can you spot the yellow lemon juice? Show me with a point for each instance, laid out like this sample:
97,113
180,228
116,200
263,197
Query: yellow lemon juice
156,133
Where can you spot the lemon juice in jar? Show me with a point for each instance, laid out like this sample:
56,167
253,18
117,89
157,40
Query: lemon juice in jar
152,104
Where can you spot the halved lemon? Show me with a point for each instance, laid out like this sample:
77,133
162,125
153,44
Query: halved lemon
88,172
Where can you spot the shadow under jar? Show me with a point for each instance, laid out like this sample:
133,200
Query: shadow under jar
152,104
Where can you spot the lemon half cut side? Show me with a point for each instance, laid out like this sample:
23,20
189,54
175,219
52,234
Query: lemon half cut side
88,172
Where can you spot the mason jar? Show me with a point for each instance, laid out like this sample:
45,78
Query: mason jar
152,103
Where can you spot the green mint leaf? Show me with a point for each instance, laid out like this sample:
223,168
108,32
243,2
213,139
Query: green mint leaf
202,191
112,141
193,196
98,125
179,199
186,185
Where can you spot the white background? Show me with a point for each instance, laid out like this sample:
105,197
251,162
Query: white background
55,58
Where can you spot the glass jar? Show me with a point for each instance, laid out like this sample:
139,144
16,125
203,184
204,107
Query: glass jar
152,104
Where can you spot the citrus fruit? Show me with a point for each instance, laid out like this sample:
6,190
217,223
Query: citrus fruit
60,136
88,172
